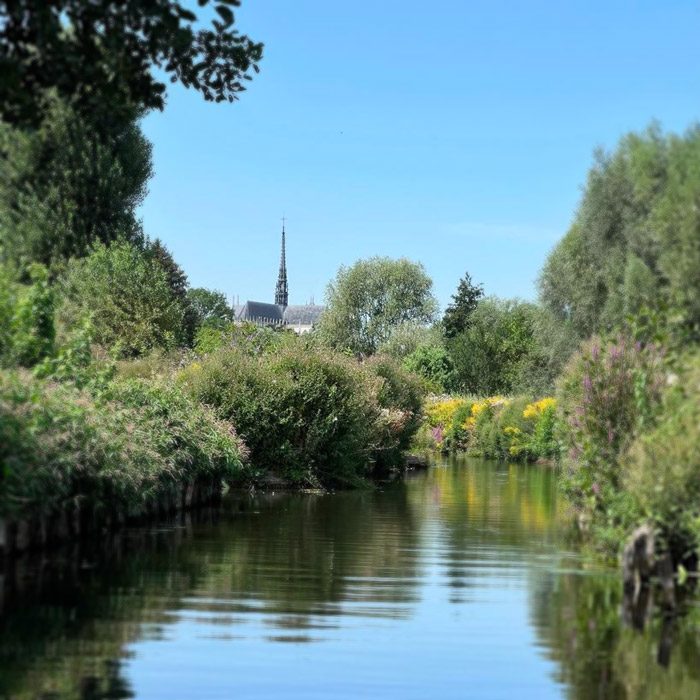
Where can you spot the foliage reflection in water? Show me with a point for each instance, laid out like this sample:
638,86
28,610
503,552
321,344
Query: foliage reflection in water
454,583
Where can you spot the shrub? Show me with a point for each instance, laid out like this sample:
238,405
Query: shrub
662,466
498,427
543,413
303,415
73,361
400,397
250,339
434,364
607,395
127,295
495,427
189,439
32,326
308,414
8,301
119,453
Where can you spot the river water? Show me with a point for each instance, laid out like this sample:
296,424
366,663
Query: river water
458,582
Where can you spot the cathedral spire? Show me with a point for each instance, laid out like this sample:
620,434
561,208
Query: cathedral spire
281,291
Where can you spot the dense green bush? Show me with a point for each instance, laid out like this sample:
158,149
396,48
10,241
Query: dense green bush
8,301
310,415
119,452
73,360
248,338
489,354
500,429
400,397
421,350
32,325
662,466
434,364
189,440
609,393
27,315
127,295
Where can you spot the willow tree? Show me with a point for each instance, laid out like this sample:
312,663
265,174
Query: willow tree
367,301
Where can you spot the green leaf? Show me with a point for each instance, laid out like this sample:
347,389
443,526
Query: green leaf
226,14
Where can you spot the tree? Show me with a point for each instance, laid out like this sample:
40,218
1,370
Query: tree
433,363
464,302
635,241
489,354
127,295
174,274
553,343
210,307
65,186
102,56
369,300
179,286
408,337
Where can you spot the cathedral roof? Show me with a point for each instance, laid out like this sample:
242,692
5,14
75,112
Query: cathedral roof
261,312
302,314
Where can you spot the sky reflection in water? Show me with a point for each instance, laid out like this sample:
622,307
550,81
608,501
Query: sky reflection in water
456,583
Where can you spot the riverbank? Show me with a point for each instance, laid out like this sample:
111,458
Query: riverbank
107,444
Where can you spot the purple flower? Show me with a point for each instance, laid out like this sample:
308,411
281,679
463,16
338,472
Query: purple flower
616,352
595,488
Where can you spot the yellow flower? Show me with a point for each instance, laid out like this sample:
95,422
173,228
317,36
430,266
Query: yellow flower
489,402
442,411
536,409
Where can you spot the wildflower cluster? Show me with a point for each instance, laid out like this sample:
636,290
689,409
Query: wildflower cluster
493,426
608,395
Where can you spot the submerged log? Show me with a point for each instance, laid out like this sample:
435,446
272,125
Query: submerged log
638,560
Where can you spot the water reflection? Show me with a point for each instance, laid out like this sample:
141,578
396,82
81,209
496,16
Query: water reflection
601,653
431,587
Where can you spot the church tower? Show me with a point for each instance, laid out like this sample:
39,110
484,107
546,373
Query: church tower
281,291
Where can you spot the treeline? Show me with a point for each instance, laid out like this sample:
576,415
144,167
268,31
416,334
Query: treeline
628,274
613,338
481,345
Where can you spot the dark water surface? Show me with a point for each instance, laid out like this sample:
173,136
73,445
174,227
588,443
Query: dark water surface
457,583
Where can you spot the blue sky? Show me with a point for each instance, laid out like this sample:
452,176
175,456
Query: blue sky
451,132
